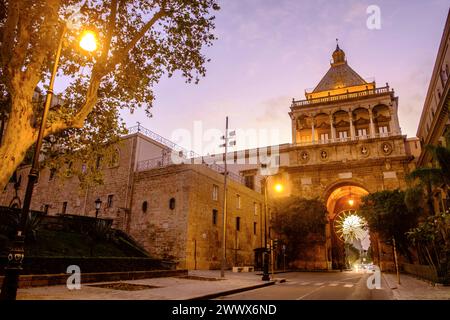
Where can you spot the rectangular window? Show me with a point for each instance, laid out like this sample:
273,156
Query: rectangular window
383,130
83,168
362,132
343,135
254,227
214,217
52,174
110,201
238,223
250,181
323,137
98,162
46,207
238,201
215,192
64,207
305,139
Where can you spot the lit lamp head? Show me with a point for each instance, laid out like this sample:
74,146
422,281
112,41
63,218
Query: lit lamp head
88,41
98,204
278,187
351,202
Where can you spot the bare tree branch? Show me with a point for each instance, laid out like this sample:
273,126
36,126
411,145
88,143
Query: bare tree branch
122,53
110,32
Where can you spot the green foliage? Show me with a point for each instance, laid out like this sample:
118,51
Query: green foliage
9,222
432,240
388,215
415,199
140,41
297,218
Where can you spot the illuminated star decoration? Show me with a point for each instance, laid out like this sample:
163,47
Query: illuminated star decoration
351,227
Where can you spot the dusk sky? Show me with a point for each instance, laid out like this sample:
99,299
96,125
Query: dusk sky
270,51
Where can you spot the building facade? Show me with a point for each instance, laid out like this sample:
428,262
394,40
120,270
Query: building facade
346,143
434,123
174,210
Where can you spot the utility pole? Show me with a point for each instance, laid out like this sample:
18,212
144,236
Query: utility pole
226,139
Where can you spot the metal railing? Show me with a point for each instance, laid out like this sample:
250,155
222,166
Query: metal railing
166,142
161,162
347,139
185,156
344,96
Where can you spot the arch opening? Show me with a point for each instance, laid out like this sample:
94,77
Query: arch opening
348,236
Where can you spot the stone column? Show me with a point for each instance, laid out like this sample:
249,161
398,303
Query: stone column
352,129
372,125
294,130
312,130
395,126
333,129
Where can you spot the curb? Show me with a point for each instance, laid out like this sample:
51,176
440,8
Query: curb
232,291
393,288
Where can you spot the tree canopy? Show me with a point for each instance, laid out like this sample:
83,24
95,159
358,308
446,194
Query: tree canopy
387,214
139,42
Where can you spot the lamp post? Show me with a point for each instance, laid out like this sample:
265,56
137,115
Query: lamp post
265,276
98,204
278,188
16,253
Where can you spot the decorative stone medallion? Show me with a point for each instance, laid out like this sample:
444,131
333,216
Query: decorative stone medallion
386,148
304,156
364,150
323,155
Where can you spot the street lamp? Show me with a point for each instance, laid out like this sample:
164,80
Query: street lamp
98,204
265,276
278,188
16,253
88,41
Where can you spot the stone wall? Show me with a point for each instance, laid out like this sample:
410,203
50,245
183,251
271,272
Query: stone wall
54,192
187,233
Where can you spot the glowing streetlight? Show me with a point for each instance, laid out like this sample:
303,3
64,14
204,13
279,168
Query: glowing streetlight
351,202
88,41
278,187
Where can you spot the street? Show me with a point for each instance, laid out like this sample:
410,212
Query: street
318,286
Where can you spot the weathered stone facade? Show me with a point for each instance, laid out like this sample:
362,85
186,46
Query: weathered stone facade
183,230
189,233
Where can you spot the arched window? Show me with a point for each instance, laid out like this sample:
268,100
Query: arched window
144,206
172,203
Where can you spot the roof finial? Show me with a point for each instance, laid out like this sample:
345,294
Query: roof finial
337,44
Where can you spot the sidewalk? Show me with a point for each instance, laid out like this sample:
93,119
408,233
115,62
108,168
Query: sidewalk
201,284
415,289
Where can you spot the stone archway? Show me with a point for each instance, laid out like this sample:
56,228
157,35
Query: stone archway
341,197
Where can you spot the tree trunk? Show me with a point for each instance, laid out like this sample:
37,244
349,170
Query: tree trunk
430,199
18,137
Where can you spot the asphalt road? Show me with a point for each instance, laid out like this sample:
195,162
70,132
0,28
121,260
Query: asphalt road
318,286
